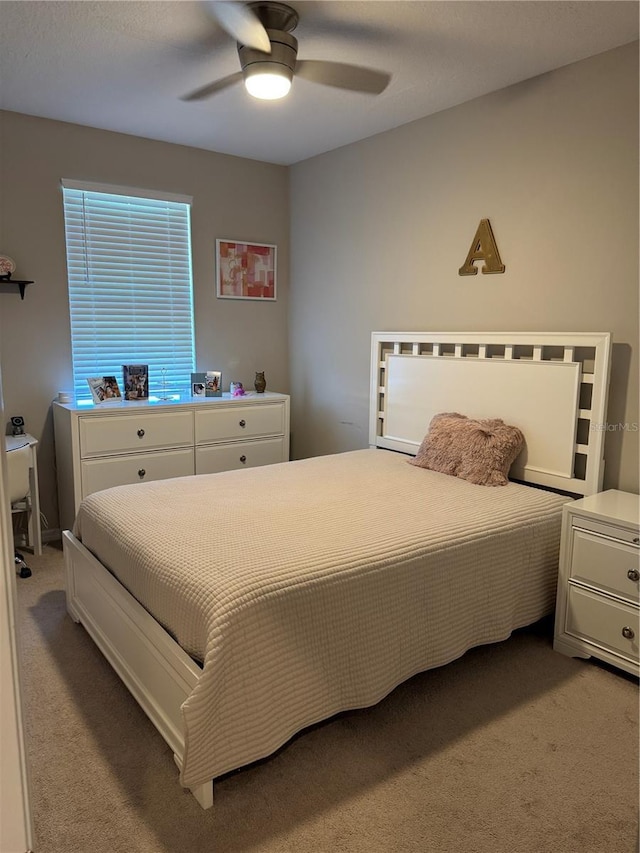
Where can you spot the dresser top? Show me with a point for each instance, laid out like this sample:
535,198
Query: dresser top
184,402
611,505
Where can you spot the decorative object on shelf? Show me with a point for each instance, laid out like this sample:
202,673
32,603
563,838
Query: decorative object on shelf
135,381
7,268
104,389
260,383
483,248
237,389
245,270
7,265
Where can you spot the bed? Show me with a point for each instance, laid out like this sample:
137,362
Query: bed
285,594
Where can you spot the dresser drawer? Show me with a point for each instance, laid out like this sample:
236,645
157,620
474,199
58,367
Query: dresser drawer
98,474
125,433
601,620
605,563
239,422
246,454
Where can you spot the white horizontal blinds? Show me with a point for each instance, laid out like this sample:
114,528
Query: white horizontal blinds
130,287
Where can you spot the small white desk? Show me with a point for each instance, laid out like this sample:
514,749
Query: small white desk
34,527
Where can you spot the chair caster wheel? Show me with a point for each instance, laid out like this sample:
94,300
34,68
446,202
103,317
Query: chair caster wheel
22,568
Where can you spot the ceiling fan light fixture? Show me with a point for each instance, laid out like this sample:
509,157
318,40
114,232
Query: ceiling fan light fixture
268,54
267,81
268,75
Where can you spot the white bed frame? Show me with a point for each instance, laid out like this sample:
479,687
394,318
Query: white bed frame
552,385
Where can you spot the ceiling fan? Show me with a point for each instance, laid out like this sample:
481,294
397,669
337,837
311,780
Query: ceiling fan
269,55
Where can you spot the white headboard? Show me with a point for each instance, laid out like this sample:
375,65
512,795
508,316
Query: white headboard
551,385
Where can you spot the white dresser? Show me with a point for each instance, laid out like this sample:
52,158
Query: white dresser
120,443
597,609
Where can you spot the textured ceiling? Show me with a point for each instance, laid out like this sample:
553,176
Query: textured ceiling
123,66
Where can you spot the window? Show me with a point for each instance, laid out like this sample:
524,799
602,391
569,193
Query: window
130,285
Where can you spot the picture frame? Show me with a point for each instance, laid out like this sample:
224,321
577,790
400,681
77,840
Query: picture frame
206,383
104,389
213,383
135,381
246,270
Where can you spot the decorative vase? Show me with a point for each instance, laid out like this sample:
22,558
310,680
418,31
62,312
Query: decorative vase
261,383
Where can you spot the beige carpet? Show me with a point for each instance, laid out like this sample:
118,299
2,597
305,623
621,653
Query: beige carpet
511,749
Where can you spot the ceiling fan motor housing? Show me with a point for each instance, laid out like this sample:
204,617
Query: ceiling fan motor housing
284,52
275,16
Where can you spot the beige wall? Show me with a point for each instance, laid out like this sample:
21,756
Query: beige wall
380,228
232,197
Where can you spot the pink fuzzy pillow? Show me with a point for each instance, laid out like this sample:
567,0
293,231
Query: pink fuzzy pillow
480,451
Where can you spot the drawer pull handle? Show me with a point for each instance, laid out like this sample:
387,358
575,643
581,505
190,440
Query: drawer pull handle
243,423
628,633
141,472
636,540
140,433
633,575
243,458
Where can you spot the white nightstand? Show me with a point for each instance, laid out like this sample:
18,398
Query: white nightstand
597,609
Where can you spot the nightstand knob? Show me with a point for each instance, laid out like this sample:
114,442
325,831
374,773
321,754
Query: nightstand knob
140,433
243,459
628,633
243,423
636,540
633,575
141,473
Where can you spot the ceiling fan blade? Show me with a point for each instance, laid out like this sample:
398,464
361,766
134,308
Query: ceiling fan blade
242,23
213,88
343,76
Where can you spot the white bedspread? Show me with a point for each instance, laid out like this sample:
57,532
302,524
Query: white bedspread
312,587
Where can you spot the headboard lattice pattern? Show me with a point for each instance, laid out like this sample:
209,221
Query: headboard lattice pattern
552,385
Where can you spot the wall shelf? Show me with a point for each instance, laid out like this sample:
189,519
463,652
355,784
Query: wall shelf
6,279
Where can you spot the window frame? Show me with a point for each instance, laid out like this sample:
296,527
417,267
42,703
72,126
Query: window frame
162,278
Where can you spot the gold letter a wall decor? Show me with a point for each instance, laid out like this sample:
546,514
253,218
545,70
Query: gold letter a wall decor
483,248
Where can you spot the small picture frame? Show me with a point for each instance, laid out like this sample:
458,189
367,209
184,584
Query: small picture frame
104,389
245,270
213,383
135,381
206,384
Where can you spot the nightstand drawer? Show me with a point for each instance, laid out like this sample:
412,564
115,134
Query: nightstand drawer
124,433
624,534
605,563
245,454
240,422
98,474
602,621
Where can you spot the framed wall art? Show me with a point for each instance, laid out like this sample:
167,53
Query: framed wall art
245,270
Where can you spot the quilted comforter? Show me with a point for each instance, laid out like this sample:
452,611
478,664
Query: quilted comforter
313,587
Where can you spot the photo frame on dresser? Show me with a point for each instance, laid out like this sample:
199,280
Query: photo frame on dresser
104,389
